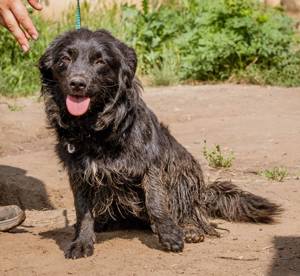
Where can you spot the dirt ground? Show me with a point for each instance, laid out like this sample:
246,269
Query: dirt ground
260,124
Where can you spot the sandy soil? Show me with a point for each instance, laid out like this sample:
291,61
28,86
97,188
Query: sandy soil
260,124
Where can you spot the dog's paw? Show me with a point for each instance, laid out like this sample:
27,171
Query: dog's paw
172,240
79,249
193,234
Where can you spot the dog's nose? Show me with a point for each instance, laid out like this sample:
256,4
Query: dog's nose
78,83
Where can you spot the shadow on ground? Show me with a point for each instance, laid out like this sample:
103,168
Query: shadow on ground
63,236
286,261
20,189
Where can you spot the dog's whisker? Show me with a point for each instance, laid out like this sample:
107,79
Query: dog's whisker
110,86
46,80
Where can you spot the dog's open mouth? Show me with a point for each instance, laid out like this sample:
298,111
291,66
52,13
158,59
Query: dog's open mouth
77,105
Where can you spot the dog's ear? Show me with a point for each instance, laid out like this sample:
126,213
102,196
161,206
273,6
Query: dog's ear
128,65
46,61
128,62
130,58
45,64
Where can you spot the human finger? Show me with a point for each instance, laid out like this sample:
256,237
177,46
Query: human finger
35,4
22,16
10,22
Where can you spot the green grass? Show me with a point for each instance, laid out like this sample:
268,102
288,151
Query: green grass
19,74
177,41
15,107
166,73
275,174
216,158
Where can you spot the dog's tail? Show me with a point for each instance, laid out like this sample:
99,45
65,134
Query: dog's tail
227,201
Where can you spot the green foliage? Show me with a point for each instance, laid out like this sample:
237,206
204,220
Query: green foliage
179,40
100,17
18,71
216,40
166,73
149,33
275,174
15,107
216,158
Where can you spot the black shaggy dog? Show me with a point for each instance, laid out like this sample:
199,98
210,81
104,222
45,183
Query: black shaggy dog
122,163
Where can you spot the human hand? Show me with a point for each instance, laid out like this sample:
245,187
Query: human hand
14,17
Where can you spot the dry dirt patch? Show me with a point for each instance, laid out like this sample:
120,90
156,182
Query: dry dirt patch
260,124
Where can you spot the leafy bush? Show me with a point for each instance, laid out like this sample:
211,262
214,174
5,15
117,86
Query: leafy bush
179,40
275,174
217,39
216,158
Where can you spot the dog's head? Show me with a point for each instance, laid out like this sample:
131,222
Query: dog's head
85,70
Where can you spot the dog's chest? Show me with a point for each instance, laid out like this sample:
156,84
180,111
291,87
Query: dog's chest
116,190
114,175
114,181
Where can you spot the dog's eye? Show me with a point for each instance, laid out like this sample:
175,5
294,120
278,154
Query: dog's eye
98,61
65,59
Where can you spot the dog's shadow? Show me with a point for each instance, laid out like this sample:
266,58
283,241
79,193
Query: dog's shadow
63,236
286,260
19,188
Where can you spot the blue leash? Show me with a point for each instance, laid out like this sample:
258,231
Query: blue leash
78,16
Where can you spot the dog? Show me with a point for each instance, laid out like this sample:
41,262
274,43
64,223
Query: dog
123,165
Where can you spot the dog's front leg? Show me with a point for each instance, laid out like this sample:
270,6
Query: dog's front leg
156,197
83,244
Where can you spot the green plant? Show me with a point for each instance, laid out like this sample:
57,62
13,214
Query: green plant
216,158
18,72
176,41
276,174
149,31
217,40
231,35
15,107
166,73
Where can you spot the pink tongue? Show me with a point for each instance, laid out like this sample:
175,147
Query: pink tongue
77,106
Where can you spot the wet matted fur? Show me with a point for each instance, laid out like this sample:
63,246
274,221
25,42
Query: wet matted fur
124,165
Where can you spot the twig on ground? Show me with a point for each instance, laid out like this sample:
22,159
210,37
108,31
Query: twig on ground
241,258
215,225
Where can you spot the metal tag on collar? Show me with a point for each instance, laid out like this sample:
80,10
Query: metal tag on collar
71,148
